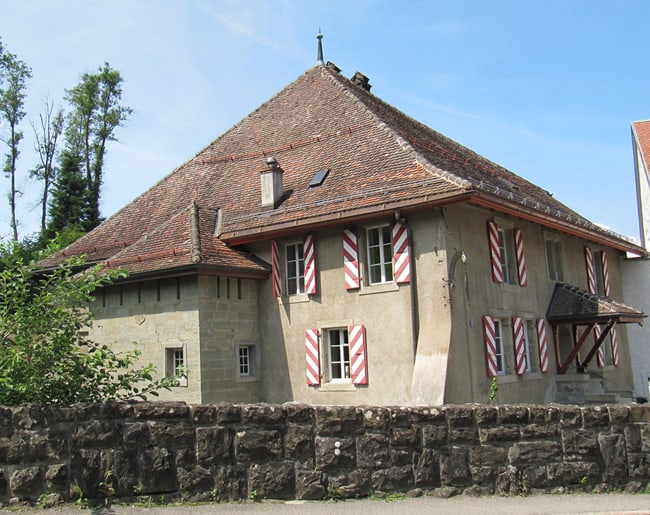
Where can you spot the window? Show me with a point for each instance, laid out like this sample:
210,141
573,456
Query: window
295,268
175,364
508,256
338,355
531,344
500,355
380,254
507,260
246,361
554,260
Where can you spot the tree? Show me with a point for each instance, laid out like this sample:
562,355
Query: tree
14,74
46,139
68,208
95,113
44,357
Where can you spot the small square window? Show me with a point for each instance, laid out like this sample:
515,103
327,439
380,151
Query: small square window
175,364
338,355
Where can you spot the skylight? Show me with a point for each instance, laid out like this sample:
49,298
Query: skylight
319,178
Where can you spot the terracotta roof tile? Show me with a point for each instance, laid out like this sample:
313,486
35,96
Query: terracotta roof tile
379,159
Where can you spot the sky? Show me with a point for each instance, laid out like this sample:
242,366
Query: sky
546,89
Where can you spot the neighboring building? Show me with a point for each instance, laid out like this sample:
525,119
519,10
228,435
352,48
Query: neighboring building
330,249
636,272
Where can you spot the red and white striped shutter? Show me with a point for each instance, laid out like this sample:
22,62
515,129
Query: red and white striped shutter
543,345
275,269
310,265
401,255
351,259
358,357
614,337
520,347
521,259
613,334
312,356
489,339
591,286
591,270
495,252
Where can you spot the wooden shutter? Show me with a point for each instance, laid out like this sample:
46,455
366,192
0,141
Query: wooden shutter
310,265
495,252
490,344
590,267
542,344
351,259
519,340
275,269
521,258
401,255
358,356
312,353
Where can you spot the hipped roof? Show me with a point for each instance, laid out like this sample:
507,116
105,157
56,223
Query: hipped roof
380,161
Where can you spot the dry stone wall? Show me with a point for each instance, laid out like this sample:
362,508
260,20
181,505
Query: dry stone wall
229,452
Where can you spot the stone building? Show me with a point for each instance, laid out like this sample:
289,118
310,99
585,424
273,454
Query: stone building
329,249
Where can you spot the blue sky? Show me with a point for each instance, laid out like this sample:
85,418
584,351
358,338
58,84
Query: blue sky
546,89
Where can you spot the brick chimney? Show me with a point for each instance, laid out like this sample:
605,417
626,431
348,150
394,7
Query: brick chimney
271,182
361,80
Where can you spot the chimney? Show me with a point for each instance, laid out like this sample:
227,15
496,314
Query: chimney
271,182
361,80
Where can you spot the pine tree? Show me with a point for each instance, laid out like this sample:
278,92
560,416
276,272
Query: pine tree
69,205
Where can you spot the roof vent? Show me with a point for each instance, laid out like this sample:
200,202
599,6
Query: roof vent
271,183
361,80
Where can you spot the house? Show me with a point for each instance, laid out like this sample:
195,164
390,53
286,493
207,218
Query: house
330,249
636,272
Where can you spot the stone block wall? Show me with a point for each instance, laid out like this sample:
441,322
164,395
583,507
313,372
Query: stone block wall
229,451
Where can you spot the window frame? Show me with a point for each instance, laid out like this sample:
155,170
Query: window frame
500,355
384,263
298,259
508,254
344,362
554,258
172,364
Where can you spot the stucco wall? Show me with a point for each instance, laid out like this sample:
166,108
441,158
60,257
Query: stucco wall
636,283
385,310
207,316
476,294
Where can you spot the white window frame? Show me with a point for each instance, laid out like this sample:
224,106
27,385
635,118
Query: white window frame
343,375
554,258
384,262
530,331
252,373
298,260
500,355
173,363
508,255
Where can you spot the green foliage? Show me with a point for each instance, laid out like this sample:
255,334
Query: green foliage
95,113
494,389
44,355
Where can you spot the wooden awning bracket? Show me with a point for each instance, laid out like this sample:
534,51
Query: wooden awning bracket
578,343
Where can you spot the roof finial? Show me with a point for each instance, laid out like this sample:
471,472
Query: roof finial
319,36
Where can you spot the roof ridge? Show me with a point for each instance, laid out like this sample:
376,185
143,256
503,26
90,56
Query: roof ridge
401,141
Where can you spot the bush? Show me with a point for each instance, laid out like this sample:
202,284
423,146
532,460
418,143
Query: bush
44,357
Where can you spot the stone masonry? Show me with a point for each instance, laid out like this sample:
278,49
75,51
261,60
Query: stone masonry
295,451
